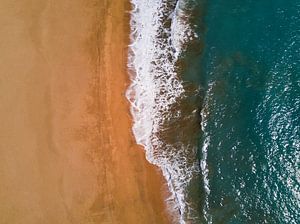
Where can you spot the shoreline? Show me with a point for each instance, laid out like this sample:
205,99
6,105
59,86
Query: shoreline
150,184
68,154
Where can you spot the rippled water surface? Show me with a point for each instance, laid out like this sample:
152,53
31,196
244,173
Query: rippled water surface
251,112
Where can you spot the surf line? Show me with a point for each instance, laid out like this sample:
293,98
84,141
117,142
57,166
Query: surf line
159,32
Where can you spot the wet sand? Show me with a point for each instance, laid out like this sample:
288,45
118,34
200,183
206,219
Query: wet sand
67,154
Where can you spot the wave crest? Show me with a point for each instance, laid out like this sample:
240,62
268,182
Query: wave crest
159,31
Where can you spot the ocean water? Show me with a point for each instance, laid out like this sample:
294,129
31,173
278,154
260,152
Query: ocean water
215,99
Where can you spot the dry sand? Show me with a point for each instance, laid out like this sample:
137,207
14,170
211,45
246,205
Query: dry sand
67,154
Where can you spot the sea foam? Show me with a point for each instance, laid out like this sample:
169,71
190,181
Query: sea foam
159,32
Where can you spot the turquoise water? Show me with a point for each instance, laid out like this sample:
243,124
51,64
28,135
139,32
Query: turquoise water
249,74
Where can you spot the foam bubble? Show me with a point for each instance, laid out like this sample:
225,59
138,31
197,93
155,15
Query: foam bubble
155,87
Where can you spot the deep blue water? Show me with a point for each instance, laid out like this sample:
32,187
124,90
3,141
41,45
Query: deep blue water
249,72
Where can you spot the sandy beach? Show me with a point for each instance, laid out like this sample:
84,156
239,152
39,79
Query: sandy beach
67,154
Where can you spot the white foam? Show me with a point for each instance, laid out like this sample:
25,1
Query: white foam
182,31
204,151
154,88
205,171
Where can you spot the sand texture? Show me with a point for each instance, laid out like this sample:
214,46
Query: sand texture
67,154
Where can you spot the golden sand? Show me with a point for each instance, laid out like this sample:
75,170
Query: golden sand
67,154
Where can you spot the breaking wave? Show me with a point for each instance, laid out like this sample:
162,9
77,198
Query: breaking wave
159,34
